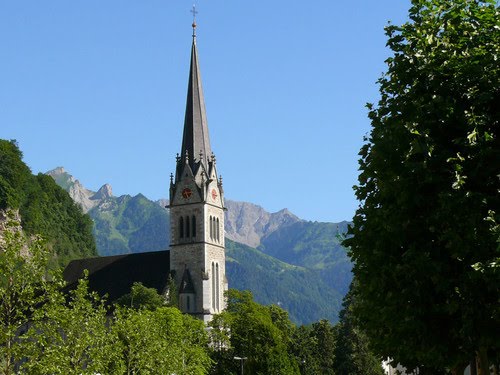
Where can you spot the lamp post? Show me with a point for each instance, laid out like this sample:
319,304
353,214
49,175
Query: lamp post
241,359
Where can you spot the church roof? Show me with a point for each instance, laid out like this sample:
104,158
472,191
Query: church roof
195,139
115,275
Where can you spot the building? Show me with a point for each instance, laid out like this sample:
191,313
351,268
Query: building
196,259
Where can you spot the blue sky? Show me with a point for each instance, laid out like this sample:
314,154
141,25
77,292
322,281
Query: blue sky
99,87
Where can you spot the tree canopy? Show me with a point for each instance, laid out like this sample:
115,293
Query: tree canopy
45,208
425,239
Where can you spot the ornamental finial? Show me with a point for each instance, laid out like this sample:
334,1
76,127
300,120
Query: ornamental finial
195,12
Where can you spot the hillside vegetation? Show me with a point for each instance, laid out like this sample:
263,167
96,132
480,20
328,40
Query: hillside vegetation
130,225
316,246
299,265
45,208
299,290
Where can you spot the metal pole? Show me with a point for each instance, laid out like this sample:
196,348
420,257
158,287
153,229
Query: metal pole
241,359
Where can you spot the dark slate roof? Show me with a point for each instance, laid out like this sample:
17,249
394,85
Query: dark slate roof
115,275
195,137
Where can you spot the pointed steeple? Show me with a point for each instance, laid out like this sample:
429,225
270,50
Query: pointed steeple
195,140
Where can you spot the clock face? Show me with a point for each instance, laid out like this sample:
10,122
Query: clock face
214,194
186,193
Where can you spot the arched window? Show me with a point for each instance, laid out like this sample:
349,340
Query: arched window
217,295
213,228
213,286
218,230
210,226
193,226
187,226
181,227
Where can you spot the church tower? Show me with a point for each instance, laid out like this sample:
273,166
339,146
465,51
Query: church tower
197,250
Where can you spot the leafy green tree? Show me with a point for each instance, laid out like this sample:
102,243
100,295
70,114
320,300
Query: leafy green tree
24,285
352,355
425,239
71,337
45,208
305,349
324,335
162,341
141,297
259,333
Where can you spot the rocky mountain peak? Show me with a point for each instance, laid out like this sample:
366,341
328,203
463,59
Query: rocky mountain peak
104,192
56,171
248,223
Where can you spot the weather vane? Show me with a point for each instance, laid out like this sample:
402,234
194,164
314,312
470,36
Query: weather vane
195,12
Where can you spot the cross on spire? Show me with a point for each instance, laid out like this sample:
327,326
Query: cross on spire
195,12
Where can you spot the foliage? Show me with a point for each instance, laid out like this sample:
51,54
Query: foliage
130,225
298,290
258,333
316,246
71,337
424,241
352,354
141,297
45,208
305,349
162,341
23,286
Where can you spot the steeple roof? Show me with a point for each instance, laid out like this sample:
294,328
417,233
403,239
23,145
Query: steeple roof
195,139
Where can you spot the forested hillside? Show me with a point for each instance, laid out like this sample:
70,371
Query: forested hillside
130,225
45,208
316,246
299,290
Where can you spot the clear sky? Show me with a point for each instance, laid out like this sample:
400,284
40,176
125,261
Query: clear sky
99,87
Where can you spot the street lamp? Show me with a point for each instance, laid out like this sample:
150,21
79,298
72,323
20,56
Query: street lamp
241,359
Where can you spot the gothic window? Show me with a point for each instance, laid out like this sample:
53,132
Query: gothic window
188,303
181,227
210,222
193,226
218,231
187,226
213,286
217,285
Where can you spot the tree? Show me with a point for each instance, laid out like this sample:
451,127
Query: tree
46,209
259,333
24,285
305,349
162,341
71,335
141,297
352,354
425,240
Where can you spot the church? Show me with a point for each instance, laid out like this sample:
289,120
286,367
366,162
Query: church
196,259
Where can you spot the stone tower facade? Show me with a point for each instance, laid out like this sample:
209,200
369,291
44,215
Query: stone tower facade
197,250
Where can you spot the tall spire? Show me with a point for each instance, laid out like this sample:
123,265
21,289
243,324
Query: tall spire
195,140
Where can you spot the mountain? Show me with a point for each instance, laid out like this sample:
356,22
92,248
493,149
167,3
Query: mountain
44,207
248,223
86,198
315,246
130,225
281,258
299,290
122,224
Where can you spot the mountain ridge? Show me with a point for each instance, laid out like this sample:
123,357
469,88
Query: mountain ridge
297,264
